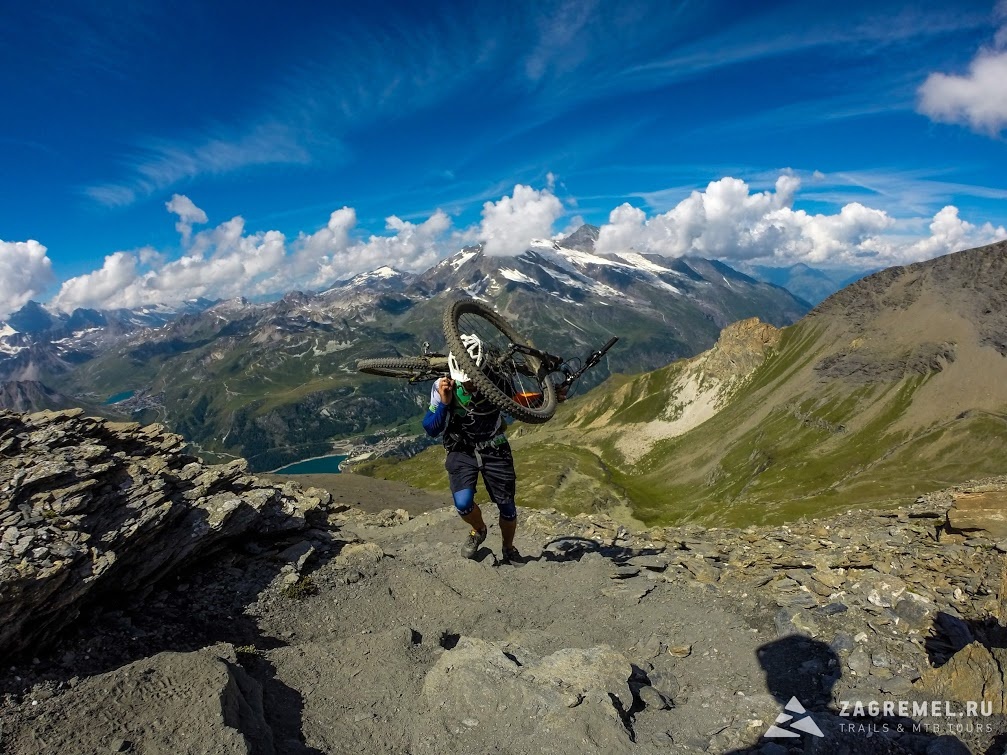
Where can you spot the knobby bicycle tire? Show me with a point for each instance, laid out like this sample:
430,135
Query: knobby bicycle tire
531,415
414,369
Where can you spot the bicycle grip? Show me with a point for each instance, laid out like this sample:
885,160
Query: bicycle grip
609,345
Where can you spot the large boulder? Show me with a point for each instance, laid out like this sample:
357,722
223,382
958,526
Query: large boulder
975,673
178,703
980,512
493,697
89,507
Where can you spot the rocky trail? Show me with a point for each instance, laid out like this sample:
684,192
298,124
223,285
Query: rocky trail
295,621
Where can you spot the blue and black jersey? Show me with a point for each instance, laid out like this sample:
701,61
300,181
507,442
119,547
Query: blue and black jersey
464,427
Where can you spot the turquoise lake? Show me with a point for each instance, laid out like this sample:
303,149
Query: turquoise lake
321,465
120,397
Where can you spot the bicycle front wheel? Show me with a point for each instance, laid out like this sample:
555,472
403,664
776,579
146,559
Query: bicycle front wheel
528,394
413,369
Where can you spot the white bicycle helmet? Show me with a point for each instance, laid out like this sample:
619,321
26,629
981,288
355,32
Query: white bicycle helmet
474,348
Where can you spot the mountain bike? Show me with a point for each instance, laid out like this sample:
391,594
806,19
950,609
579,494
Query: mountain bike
535,378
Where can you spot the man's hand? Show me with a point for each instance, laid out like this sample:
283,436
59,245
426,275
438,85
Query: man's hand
446,389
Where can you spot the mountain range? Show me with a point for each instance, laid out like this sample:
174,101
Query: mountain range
892,387
811,284
36,341
276,382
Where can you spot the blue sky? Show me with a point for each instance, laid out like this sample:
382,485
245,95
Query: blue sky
281,114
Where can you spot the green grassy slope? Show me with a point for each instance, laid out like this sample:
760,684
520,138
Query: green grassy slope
895,387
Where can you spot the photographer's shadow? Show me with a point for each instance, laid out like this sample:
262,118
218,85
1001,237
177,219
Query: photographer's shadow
801,673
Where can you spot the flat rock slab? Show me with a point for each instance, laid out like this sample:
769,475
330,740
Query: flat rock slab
986,512
177,703
483,696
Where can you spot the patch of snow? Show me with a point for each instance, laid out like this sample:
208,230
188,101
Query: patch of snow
516,275
385,272
642,263
11,350
638,260
565,300
665,285
477,289
6,330
604,290
586,258
543,244
333,346
566,279
461,259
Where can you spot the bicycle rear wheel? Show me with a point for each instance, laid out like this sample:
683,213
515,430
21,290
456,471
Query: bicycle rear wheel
413,369
532,397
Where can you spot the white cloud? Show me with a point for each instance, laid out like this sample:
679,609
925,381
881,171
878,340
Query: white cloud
412,247
106,287
510,223
222,262
25,271
314,252
728,221
188,214
977,99
948,233
227,261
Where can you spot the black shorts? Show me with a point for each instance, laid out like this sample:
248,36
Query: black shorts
497,470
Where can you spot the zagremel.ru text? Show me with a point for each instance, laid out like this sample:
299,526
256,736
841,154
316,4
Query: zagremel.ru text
924,708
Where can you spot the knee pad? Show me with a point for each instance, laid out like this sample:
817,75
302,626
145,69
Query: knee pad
465,501
508,511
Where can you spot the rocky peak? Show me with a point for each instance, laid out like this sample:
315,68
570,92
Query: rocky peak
968,284
741,348
90,507
583,239
32,318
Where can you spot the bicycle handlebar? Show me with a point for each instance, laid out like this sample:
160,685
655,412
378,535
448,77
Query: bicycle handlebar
590,362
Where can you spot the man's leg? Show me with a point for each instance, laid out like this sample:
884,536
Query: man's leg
508,527
475,516
463,473
501,483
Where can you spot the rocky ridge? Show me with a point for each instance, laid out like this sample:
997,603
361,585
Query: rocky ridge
88,506
266,619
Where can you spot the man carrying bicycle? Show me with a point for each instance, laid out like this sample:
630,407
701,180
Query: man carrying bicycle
473,429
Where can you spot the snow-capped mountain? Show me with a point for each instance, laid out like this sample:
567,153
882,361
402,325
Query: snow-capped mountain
671,305
275,381
36,341
385,278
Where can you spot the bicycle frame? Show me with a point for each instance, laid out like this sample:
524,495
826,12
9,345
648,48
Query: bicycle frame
551,363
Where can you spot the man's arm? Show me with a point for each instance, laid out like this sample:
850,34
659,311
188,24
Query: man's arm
436,418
